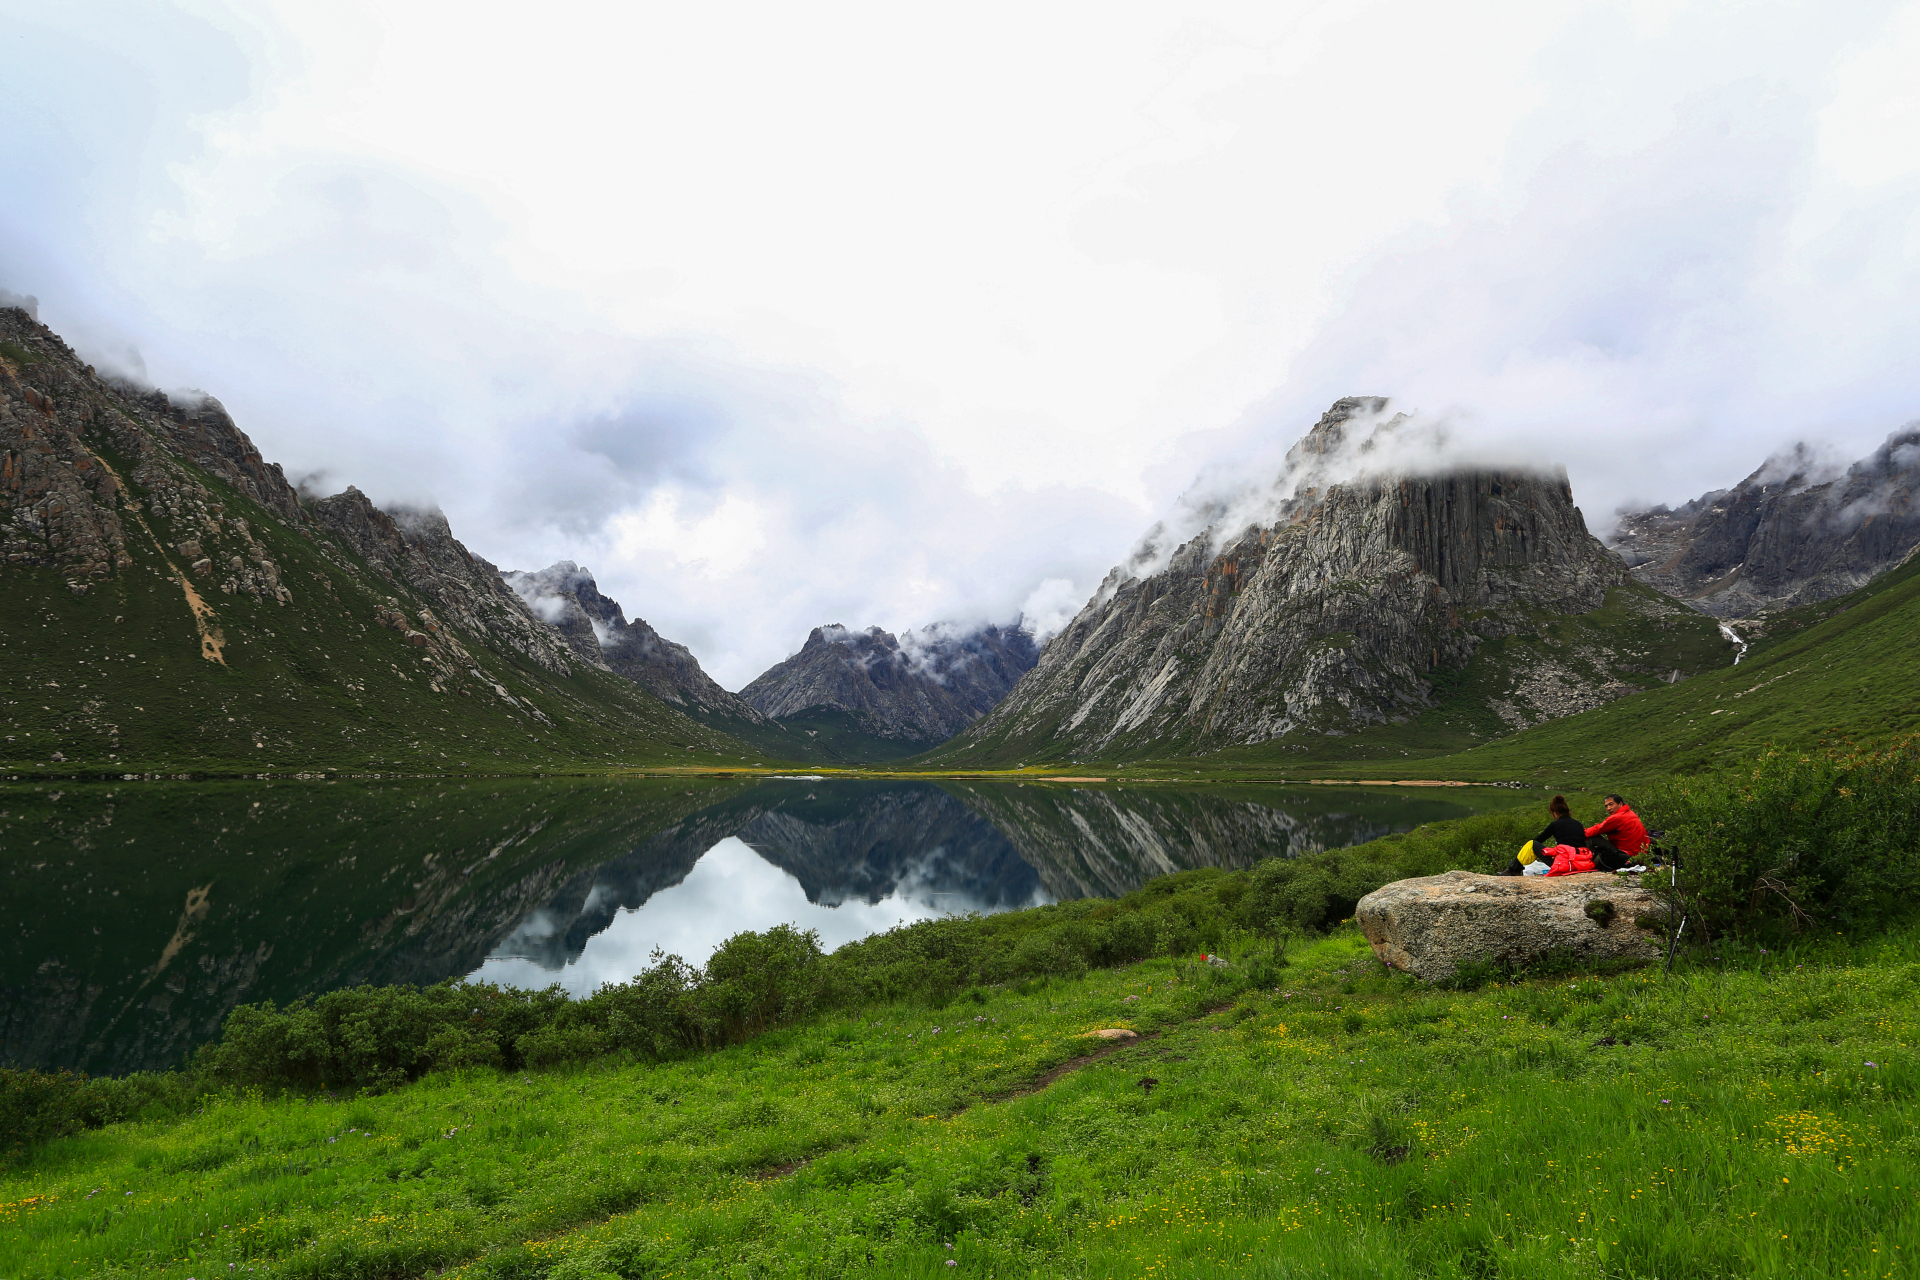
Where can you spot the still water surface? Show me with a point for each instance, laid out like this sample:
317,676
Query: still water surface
137,915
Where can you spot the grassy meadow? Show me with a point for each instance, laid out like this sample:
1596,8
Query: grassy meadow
1752,1114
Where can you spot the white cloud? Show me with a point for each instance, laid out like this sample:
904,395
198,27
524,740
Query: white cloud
774,316
718,544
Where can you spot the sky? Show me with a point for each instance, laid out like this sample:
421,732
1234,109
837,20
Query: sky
780,315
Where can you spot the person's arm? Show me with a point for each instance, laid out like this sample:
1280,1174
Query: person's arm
1612,822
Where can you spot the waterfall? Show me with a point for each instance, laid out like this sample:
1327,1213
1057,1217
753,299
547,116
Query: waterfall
1732,635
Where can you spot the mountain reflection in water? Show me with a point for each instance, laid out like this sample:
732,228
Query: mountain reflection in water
847,859
852,858
140,914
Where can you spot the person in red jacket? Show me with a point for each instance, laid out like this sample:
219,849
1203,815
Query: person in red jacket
1622,826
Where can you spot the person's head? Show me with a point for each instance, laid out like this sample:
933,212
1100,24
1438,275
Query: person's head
1614,802
1558,807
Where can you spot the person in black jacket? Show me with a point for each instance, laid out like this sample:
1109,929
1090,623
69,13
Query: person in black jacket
1561,830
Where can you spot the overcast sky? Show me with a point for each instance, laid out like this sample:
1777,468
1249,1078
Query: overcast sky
788,314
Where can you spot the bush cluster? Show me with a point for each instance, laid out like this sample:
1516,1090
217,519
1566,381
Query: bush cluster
36,1106
1314,893
1795,838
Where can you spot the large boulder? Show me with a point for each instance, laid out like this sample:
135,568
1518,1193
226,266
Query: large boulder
1431,925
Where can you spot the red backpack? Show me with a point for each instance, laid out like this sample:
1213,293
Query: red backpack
1569,861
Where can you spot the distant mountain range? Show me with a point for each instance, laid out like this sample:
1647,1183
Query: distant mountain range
1791,533
846,697
173,604
908,693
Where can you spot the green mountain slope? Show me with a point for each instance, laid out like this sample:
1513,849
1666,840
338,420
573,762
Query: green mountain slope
168,604
830,736
1843,668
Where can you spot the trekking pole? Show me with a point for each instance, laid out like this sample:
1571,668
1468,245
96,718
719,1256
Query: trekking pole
1673,882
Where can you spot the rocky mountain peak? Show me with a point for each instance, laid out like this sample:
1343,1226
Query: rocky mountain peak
415,545
923,686
596,629
1798,530
1323,601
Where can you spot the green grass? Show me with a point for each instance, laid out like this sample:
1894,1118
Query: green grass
831,736
1339,1122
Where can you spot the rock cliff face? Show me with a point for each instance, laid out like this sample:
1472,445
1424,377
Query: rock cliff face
65,506
416,546
1334,609
1788,534
924,686
597,630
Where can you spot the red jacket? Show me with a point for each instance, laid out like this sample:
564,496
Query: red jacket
1569,861
1624,828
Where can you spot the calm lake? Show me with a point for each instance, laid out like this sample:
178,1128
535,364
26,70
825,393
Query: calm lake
138,914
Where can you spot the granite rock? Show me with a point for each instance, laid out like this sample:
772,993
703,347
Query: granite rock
1431,925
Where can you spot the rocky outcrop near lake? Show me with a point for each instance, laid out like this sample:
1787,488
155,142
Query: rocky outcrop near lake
921,687
1794,532
1333,600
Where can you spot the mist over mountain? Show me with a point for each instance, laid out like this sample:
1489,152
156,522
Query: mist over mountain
177,604
1798,530
597,630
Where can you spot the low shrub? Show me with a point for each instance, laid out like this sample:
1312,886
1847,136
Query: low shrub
36,1106
376,1037
1793,839
1312,894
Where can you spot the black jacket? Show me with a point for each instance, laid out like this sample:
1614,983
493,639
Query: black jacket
1562,831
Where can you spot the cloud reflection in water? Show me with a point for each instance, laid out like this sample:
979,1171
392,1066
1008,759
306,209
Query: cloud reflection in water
731,888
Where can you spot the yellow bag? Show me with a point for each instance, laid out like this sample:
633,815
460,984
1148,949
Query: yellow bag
1526,854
